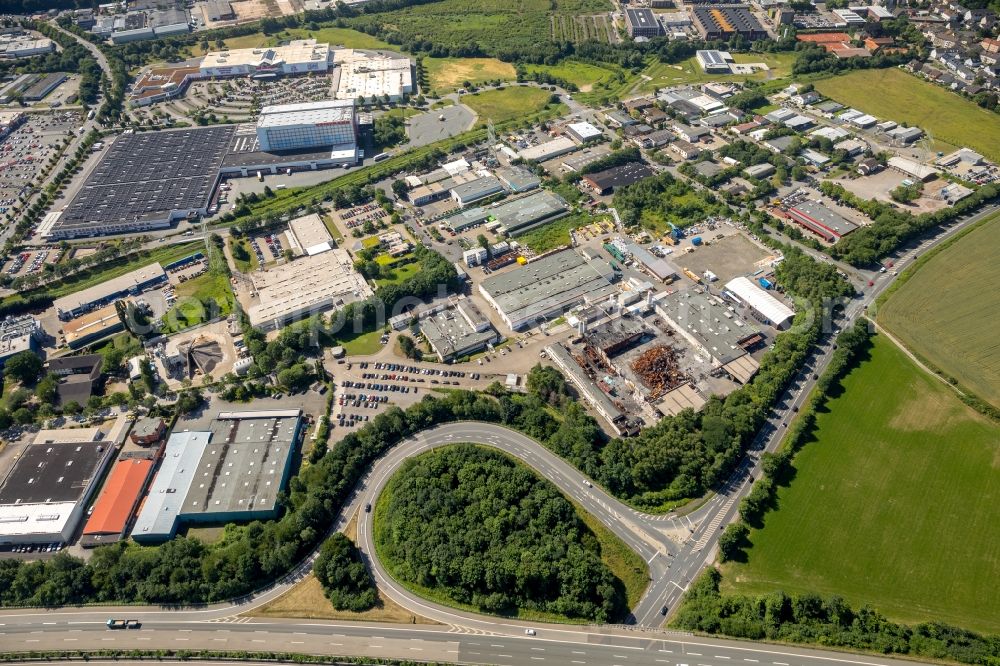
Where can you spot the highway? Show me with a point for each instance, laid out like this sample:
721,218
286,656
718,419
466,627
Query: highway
676,548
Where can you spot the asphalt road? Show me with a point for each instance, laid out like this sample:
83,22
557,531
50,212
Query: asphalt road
676,548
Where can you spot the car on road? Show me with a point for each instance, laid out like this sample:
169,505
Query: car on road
588,484
663,611
368,508
530,632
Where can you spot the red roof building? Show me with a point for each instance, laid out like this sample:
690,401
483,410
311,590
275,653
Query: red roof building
119,499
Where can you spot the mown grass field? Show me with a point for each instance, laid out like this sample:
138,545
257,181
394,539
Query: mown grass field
660,75
351,39
946,312
896,504
507,103
446,75
902,97
583,75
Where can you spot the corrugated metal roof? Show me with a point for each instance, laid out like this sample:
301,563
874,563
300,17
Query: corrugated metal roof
119,497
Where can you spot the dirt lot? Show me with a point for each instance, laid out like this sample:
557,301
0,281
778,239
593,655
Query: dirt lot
881,184
730,257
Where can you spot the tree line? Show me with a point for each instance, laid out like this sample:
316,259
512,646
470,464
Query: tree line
829,621
488,532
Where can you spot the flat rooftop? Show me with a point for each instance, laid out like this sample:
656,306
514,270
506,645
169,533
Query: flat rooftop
307,113
52,473
244,465
297,51
149,176
310,234
244,153
708,321
308,284
109,288
520,215
556,280
828,218
449,333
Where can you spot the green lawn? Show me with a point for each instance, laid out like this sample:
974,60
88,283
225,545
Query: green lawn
351,39
553,234
660,75
363,344
896,504
507,103
445,75
401,270
583,75
902,97
946,312
200,299
247,265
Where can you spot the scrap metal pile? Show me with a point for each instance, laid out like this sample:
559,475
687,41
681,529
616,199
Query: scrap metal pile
659,371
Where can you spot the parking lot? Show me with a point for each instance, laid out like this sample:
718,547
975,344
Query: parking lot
240,99
383,384
355,218
27,149
26,263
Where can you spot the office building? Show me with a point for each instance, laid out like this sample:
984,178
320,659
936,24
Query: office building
641,22
19,334
306,286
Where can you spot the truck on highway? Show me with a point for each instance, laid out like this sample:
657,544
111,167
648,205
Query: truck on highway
123,624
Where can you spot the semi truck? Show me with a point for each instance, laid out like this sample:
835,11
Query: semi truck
123,624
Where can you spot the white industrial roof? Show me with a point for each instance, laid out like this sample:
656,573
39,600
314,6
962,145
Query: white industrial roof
549,149
770,307
585,130
307,113
298,51
309,234
34,519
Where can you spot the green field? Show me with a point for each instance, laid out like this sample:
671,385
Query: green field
896,504
553,234
351,39
507,103
951,119
946,312
200,299
660,75
446,75
583,75
499,28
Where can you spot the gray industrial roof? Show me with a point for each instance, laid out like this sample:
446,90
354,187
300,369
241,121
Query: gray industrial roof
614,332
708,320
243,466
828,218
162,507
557,280
449,333
568,364
52,473
477,189
518,179
663,269
522,214
149,175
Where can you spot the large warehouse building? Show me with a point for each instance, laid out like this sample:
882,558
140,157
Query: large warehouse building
107,292
232,472
144,182
45,494
317,283
329,123
762,305
546,287
373,74
297,57
119,500
725,22
707,324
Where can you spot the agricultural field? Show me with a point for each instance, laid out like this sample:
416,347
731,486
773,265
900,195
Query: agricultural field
500,28
947,316
895,503
446,75
507,103
953,120
660,75
570,28
583,75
